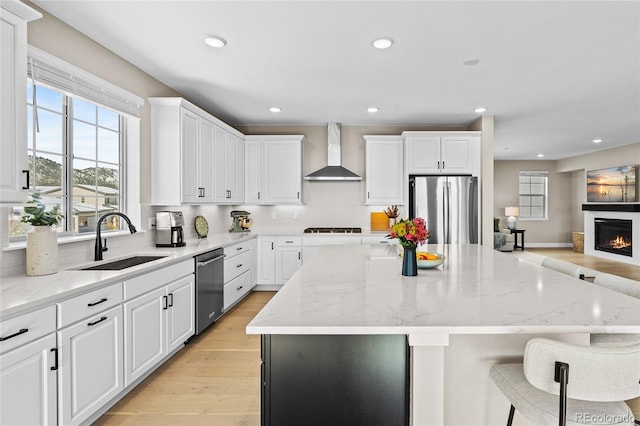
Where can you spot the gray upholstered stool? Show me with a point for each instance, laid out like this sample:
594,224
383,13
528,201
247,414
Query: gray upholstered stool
565,384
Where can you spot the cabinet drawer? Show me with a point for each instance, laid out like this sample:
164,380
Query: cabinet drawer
144,283
375,239
72,310
289,241
236,288
237,249
25,328
237,265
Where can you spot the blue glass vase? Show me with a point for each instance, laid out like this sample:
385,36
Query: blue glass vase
409,262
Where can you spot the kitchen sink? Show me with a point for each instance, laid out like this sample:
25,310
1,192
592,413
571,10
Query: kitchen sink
118,265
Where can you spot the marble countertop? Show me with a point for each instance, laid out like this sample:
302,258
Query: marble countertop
21,293
359,290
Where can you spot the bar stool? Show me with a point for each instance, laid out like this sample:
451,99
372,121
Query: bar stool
561,383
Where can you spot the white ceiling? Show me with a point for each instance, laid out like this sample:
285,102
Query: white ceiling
555,75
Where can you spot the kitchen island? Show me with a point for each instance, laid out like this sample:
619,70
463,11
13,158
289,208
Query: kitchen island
478,309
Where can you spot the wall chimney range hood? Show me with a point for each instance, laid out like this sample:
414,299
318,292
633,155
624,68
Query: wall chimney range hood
334,170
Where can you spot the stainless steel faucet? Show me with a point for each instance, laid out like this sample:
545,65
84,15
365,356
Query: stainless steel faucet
98,246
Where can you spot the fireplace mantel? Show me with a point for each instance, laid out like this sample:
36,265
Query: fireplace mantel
611,207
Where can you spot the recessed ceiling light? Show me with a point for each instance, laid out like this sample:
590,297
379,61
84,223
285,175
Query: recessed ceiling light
598,140
540,155
471,61
480,110
275,109
215,41
382,43
372,109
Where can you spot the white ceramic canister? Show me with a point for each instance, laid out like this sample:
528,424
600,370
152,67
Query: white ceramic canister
42,251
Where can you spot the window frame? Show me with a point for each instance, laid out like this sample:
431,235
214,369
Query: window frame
545,195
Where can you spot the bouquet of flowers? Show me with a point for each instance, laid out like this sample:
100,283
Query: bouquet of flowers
409,232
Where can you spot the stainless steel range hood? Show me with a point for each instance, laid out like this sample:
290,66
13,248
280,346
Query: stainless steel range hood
334,170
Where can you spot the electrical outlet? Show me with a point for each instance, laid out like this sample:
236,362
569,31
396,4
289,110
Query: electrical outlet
152,222
274,216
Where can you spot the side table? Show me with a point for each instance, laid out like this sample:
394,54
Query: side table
515,238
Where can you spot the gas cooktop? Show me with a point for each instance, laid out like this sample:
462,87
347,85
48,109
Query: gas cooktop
333,231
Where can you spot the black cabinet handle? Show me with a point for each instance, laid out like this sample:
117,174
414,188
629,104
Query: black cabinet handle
239,288
97,322
258,195
55,359
170,300
104,299
22,331
438,164
27,172
298,195
299,256
271,246
239,248
443,164
239,265
165,304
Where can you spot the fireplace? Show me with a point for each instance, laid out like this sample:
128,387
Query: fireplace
613,236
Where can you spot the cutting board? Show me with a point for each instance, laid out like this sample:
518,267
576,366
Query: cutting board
379,221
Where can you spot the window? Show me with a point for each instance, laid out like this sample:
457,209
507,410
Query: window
534,195
74,151
80,131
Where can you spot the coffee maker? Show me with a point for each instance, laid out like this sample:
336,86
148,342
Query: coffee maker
169,231
241,221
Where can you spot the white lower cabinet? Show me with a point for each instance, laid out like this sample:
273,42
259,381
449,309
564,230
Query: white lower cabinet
239,271
156,324
288,257
28,384
90,365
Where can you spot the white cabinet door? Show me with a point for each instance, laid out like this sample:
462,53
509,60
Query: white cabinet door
384,170
238,192
282,171
13,125
28,384
288,261
423,154
456,155
266,268
190,156
180,312
219,157
145,333
206,144
90,365
252,171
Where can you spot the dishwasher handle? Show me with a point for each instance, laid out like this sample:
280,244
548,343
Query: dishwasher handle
212,260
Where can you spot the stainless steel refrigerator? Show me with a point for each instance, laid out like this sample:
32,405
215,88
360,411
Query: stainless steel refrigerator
449,204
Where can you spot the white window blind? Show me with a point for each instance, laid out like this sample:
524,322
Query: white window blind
58,74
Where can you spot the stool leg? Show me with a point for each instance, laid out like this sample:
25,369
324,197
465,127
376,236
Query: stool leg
511,412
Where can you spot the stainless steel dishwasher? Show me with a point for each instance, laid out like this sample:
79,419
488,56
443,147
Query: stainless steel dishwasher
209,288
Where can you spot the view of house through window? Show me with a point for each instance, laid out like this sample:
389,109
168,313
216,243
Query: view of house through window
74,151
534,195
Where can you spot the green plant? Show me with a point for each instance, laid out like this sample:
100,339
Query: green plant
37,215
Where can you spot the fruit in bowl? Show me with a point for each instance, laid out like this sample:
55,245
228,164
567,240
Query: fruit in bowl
427,260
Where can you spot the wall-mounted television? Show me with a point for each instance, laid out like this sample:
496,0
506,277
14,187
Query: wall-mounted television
612,185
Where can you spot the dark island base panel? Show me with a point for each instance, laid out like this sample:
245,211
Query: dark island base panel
316,380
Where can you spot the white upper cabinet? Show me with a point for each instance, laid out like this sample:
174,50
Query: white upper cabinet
229,168
442,152
384,175
194,156
14,172
273,169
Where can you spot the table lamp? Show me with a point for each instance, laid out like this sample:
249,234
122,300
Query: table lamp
512,212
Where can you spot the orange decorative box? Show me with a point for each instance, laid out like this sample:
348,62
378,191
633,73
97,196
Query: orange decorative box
379,221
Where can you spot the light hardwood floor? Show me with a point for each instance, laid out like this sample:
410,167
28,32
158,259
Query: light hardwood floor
214,380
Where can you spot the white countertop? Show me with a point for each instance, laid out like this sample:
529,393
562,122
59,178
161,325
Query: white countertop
23,293
359,290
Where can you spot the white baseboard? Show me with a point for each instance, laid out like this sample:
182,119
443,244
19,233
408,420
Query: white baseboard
267,287
547,245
